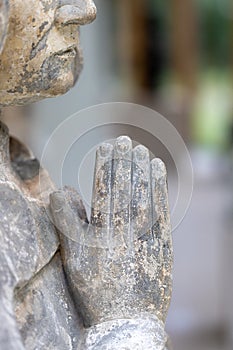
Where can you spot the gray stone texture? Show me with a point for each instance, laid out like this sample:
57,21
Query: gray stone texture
36,310
120,264
67,282
110,291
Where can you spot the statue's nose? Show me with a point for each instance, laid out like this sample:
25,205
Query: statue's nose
78,12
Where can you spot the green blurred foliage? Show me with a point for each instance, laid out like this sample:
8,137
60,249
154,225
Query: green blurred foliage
215,23
213,110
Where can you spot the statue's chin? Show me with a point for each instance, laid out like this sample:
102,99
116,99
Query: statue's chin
58,86
56,76
28,99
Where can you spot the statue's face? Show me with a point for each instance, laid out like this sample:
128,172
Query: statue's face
41,56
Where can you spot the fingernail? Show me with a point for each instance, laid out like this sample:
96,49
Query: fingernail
158,168
141,153
105,150
57,201
123,144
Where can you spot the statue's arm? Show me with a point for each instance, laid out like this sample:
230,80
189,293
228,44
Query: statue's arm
16,268
10,338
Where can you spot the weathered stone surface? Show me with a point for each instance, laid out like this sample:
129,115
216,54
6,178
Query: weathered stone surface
36,311
119,265
140,333
117,286
42,46
115,289
45,312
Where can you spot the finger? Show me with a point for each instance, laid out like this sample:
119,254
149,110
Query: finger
101,198
162,230
121,190
64,218
72,233
160,204
160,208
76,203
141,214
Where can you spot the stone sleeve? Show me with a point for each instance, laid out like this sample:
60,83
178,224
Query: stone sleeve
10,338
143,332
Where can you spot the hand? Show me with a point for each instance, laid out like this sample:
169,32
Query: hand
118,265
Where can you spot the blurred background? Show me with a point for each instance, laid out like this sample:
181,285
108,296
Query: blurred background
176,57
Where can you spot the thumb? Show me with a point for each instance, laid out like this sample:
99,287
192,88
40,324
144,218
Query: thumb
65,216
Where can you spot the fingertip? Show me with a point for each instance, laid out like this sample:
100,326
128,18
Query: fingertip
123,145
141,153
57,200
158,168
105,150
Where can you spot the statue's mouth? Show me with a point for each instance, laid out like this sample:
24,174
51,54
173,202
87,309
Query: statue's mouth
70,52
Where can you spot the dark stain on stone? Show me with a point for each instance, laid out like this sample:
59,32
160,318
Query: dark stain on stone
40,45
52,66
157,229
18,89
43,25
42,80
28,169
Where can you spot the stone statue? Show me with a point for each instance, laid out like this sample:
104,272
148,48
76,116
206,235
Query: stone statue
75,285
